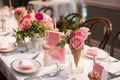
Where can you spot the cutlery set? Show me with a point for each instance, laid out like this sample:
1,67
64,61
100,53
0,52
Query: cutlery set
51,74
113,75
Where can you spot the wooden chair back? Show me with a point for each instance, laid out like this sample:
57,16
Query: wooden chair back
47,10
103,29
115,38
74,17
68,20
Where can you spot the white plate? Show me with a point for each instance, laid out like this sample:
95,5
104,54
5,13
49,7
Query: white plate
36,66
101,54
10,48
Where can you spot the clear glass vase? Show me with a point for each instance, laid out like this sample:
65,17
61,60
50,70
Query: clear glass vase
76,61
36,43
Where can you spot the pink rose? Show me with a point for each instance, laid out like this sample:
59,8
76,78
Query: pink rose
76,33
27,16
26,23
19,11
76,42
84,32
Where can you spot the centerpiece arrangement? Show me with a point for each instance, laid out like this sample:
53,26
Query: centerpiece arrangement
32,24
75,38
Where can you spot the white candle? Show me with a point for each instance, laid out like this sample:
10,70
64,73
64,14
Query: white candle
55,22
10,3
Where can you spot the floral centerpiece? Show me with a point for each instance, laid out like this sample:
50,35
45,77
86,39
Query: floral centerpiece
75,37
33,23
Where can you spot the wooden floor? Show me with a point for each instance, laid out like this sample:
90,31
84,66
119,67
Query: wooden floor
2,77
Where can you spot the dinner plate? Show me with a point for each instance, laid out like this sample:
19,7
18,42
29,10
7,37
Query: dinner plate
10,48
35,68
101,54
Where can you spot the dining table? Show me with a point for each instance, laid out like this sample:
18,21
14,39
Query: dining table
11,72
61,7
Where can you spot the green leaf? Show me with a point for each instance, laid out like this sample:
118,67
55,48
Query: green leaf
61,43
74,27
65,29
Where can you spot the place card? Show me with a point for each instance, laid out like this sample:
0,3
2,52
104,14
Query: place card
52,38
100,69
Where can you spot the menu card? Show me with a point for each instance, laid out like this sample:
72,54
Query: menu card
52,38
100,69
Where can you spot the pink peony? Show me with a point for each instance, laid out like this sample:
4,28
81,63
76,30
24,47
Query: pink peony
26,23
76,42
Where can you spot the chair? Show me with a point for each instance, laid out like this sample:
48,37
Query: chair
100,29
48,10
68,20
2,77
30,8
114,41
74,17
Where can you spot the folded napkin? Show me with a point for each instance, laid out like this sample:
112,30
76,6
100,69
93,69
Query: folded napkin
25,64
92,51
3,43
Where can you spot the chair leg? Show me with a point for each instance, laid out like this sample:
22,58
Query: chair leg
2,77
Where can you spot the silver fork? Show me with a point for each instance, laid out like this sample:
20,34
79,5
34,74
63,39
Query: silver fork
51,74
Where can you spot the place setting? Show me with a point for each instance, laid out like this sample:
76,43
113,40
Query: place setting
25,65
90,52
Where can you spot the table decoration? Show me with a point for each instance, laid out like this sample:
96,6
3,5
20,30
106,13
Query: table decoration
26,69
3,26
33,26
75,38
47,58
90,52
57,53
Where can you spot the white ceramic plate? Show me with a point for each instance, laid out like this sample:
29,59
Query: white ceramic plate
10,48
101,54
15,66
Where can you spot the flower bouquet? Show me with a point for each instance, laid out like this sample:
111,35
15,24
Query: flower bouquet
33,23
75,38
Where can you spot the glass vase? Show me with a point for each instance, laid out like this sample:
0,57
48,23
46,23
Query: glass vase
36,43
76,62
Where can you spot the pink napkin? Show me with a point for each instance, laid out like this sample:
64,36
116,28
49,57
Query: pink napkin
25,64
92,51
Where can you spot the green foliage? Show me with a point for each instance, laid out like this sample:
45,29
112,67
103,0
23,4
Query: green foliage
74,27
35,28
66,38
61,43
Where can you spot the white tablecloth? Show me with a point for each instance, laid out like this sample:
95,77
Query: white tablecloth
61,7
5,62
